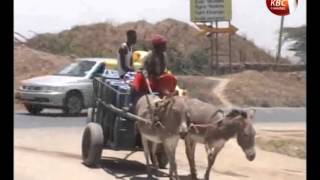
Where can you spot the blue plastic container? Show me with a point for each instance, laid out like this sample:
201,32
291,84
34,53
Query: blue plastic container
111,74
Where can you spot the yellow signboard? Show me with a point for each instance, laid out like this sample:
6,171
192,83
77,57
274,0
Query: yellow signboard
210,10
205,29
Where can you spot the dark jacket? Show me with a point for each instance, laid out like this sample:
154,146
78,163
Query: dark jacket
154,64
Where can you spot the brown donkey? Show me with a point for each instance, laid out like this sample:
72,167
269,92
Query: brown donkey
214,130
172,115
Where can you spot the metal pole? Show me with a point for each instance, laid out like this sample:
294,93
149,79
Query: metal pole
217,57
230,63
211,48
280,41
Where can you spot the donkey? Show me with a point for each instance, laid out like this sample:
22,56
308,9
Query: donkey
172,115
213,129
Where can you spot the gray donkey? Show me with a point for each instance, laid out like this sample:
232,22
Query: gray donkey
172,113
210,127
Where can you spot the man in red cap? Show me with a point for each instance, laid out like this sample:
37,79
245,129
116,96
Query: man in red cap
155,62
154,67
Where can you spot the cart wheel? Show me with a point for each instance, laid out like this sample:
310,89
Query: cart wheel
161,156
92,144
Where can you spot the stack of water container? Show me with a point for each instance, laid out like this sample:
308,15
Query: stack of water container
122,86
129,76
118,93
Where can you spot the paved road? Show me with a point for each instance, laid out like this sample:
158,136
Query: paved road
53,118
47,147
281,114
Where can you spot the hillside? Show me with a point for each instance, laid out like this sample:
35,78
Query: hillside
188,51
267,89
30,63
248,88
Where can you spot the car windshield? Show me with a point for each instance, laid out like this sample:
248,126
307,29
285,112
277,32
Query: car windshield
79,69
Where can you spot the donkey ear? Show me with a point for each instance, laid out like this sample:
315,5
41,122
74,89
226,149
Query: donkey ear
157,104
233,113
219,114
188,113
220,111
219,122
250,113
161,103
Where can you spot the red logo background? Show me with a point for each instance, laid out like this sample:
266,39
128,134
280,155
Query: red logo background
278,7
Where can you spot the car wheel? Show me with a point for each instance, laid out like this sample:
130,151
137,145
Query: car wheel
73,104
33,109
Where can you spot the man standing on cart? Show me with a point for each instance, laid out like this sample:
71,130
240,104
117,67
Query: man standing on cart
125,63
154,69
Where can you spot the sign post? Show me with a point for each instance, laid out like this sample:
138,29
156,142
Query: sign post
217,47
204,12
279,42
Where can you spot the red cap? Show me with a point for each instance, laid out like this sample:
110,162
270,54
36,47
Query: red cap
157,39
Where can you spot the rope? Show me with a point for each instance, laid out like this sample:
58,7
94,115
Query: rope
156,122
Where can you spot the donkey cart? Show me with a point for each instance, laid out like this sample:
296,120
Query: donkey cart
111,125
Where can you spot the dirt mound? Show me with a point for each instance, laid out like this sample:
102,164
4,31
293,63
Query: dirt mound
30,63
291,143
267,89
200,88
189,52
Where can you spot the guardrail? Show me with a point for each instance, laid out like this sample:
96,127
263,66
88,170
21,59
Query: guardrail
225,68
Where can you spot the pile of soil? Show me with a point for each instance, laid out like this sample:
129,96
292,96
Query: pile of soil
267,89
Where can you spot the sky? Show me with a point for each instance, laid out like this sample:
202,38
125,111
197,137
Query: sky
251,17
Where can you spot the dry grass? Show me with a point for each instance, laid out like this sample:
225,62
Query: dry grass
249,88
103,39
30,63
266,89
295,147
199,87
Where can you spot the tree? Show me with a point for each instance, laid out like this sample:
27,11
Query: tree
297,35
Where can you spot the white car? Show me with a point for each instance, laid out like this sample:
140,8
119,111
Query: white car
70,89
